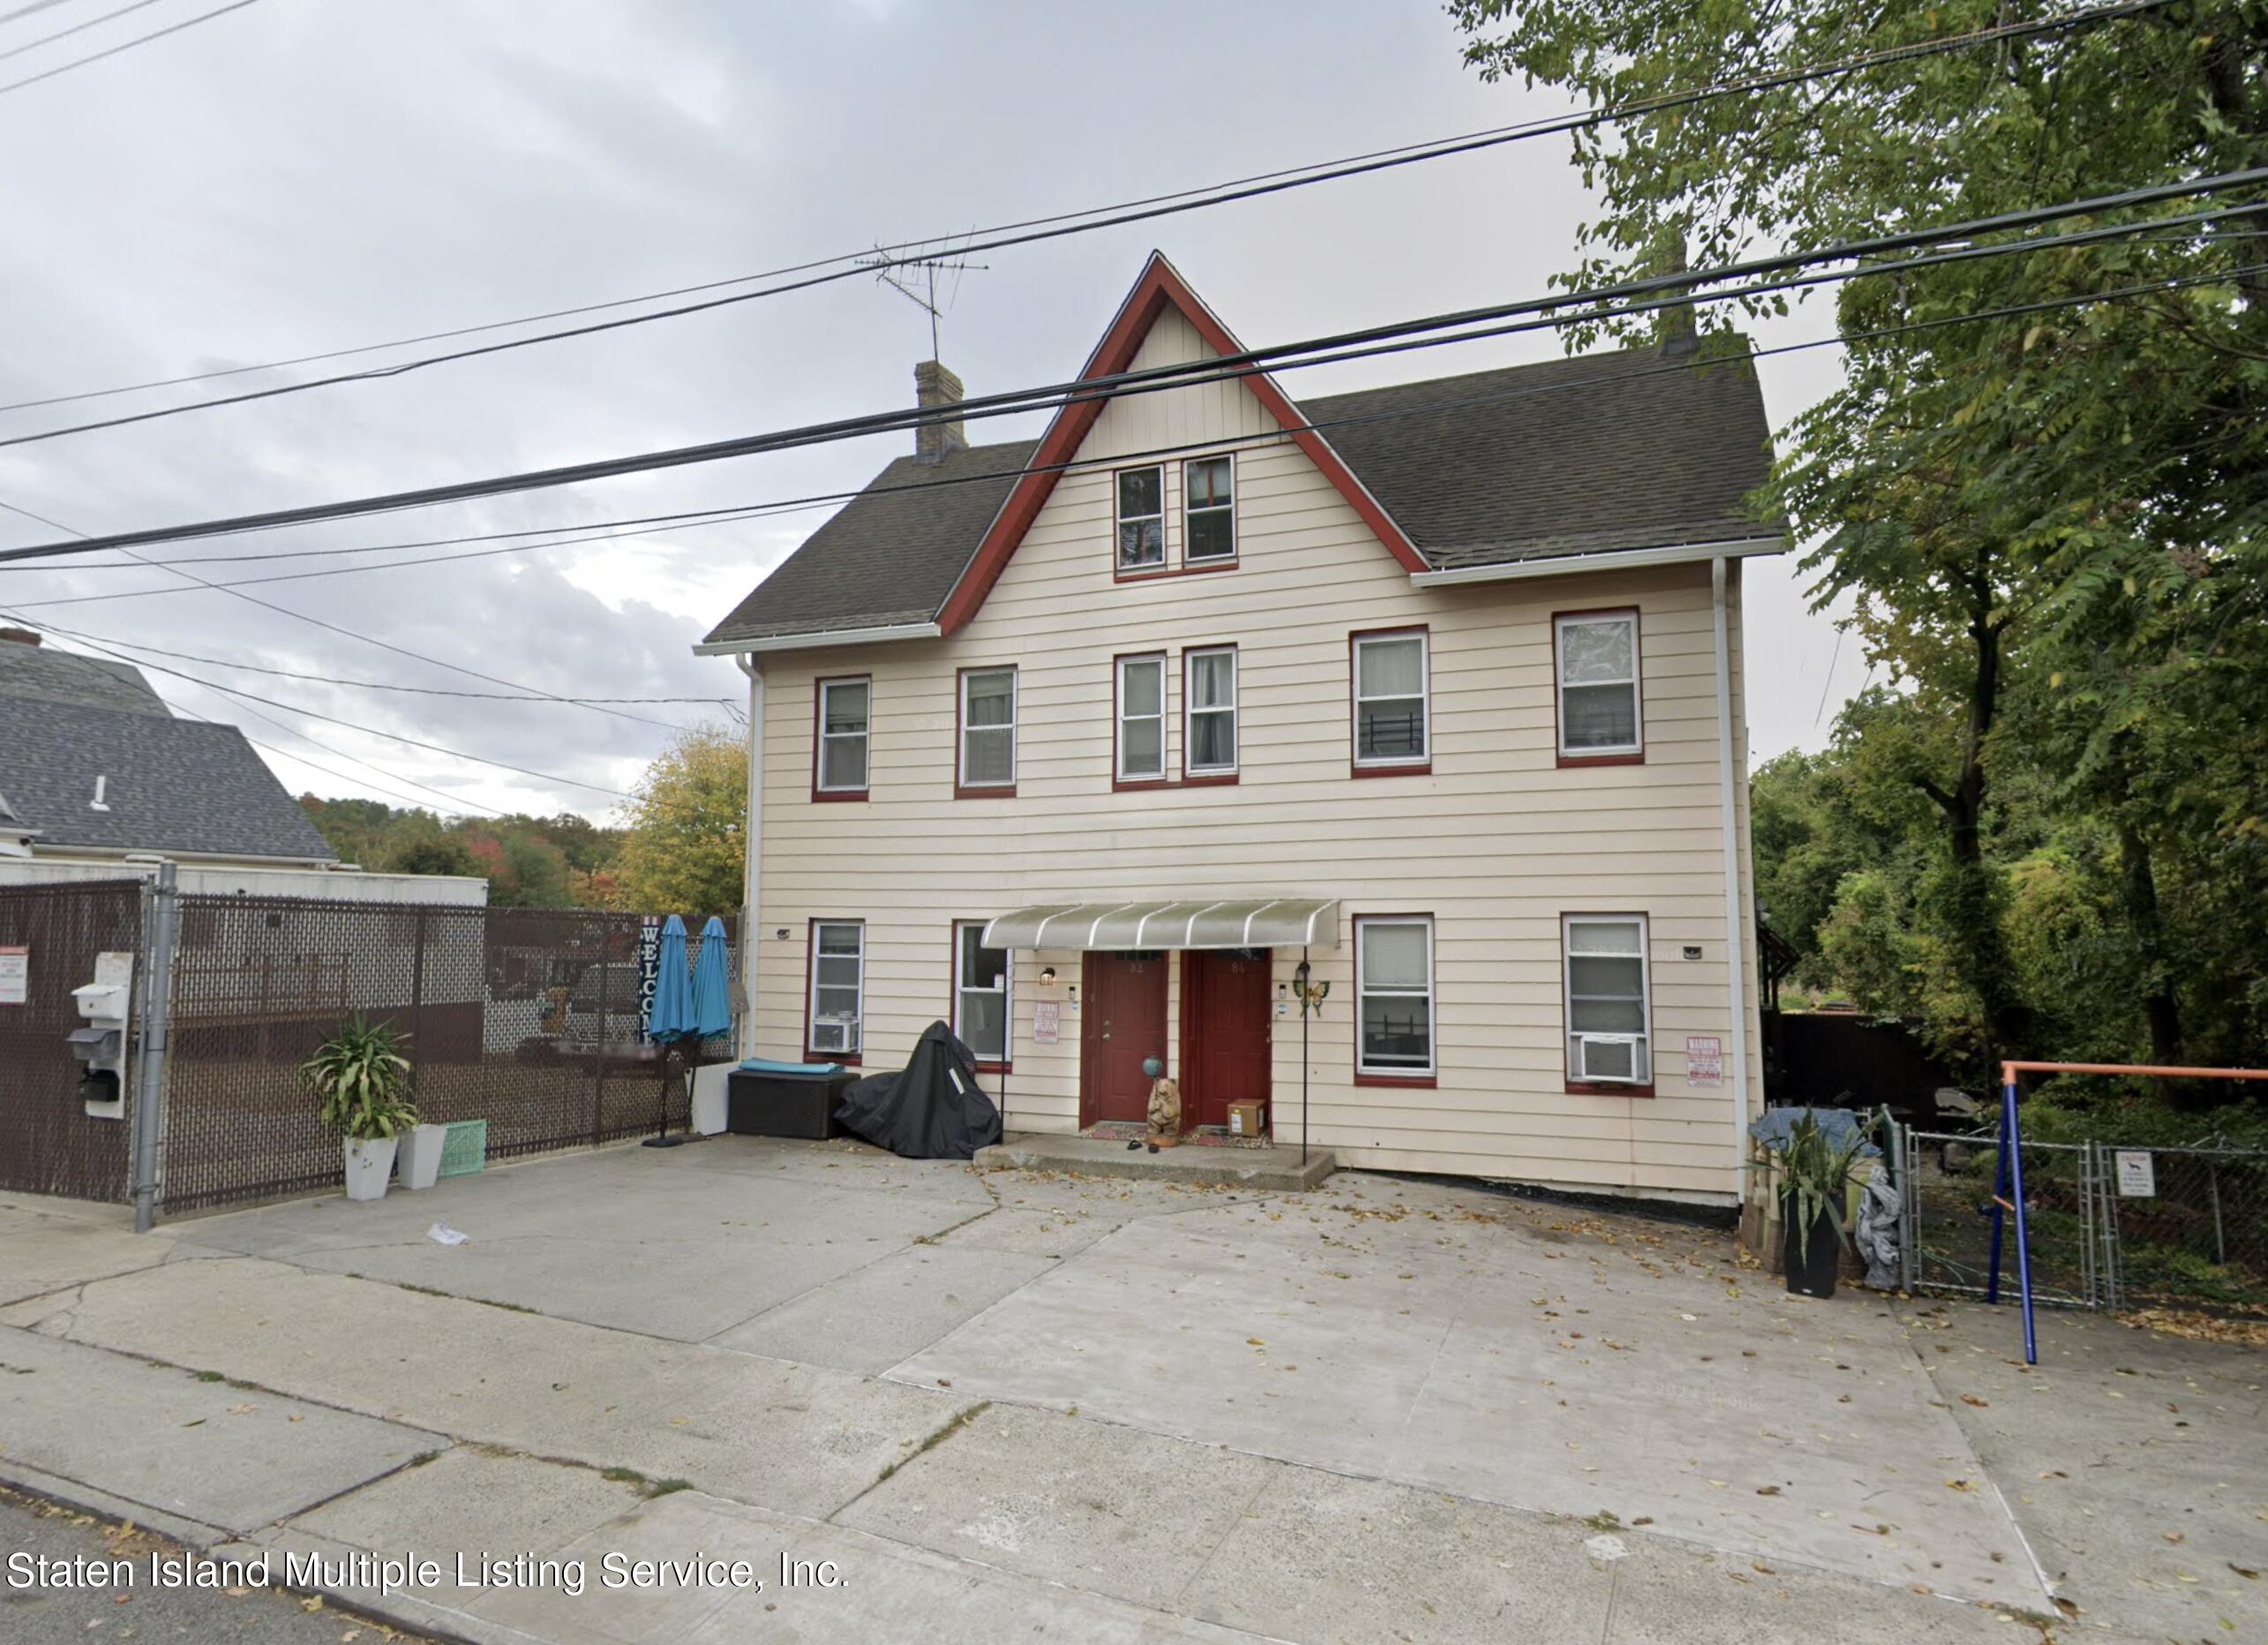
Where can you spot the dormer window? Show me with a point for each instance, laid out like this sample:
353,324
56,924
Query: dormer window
1142,520
1209,510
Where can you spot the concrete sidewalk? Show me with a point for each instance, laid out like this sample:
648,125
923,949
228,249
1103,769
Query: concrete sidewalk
975,1402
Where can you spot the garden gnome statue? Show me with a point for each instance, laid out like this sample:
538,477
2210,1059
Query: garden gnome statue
1165,1107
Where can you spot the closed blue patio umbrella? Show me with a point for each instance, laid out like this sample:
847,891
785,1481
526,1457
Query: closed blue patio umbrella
712,1001
670,1019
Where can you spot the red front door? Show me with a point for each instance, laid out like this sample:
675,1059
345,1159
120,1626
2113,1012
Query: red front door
1225,1053
1123,1020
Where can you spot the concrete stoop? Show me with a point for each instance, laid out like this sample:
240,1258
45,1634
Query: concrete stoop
1271,1168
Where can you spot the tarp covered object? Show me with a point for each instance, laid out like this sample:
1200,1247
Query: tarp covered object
931,1109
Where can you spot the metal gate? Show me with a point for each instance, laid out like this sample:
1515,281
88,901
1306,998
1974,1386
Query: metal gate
48,1143
2112,1229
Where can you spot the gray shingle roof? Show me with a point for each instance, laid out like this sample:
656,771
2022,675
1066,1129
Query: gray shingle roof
173,784
1598,452
52,676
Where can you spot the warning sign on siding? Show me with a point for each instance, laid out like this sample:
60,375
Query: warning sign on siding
1704,1060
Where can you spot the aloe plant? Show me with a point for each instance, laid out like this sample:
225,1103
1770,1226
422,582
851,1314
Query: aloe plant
362,1079
1815,1179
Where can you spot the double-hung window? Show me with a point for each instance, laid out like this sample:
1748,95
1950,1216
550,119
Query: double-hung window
838,988
1209,510
1391,726
1609,1017
1599,714
1209,700
1141,719
1141,519
981,999
988,757
1394,997
844,707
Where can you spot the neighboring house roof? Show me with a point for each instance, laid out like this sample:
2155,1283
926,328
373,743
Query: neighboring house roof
42,672
1598,453
170,785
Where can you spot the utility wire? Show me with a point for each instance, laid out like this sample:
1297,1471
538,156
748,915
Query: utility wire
112,51
65,33
355,634
1041,229
25,11
673,522
1670,290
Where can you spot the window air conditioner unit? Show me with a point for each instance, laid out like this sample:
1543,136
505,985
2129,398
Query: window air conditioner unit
1608,1058
835,1033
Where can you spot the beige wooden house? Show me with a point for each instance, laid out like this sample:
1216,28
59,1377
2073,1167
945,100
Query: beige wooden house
1087,745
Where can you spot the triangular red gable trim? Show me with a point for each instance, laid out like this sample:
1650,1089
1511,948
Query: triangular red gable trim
1159,287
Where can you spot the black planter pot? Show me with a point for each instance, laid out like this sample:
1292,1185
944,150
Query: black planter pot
1811,1264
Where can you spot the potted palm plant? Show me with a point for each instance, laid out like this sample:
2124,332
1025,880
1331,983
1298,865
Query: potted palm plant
1815,1175
361,1078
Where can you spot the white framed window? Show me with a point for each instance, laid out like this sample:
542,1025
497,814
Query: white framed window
1141,519
983,993
838,988
1141,719
989,728
1393,996
1599,712
1391,712
1209,710
1208,510
1609,1010
844,706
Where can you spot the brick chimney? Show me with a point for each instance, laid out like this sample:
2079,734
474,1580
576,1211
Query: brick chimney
934,386
1673,327
21,636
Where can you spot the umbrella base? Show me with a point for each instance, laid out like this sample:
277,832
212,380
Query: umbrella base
662,1142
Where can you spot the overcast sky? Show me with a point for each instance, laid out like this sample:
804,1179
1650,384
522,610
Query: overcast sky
306,174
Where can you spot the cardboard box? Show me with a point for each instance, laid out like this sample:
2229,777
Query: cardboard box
1248,1119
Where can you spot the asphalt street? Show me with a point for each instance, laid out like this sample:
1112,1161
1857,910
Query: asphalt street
80,1603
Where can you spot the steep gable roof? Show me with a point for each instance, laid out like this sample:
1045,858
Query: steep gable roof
172,785
42,672
1570,458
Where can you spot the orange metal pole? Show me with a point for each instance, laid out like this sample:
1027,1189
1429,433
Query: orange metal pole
2010,1070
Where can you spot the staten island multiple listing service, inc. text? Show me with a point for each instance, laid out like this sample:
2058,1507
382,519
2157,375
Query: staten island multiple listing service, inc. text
410,1573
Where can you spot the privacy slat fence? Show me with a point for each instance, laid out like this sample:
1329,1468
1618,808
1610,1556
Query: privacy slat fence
527,1018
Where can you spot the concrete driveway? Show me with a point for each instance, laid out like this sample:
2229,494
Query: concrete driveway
1108,1410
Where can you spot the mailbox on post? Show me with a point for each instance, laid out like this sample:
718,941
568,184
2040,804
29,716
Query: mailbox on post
104,1043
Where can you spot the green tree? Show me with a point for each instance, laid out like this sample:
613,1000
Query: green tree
682,847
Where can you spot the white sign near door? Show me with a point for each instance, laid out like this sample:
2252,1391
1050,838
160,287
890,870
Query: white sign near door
1047,1023
15,975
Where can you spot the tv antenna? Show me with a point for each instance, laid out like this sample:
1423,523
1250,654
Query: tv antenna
924,295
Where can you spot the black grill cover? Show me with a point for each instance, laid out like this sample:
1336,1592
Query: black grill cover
931,1109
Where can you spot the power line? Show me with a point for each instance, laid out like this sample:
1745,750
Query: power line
1315,425
353,634
25,11
75,28
1033,229
112,51
1639,295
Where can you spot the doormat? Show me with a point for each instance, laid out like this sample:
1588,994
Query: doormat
1204,1137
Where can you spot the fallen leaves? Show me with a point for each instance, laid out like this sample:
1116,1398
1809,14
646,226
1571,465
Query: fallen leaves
1971,1399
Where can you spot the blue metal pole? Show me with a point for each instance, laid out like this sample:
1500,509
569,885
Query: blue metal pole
2000,1199
2013,1152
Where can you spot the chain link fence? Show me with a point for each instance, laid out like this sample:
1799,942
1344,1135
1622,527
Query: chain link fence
530,1019
50,936
2113,1228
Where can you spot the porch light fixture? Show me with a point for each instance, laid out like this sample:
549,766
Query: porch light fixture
1046,976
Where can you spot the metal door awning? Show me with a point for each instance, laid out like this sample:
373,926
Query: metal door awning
1193,922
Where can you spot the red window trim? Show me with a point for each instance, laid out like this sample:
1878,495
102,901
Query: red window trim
1218,562
1164,566
953,999
1408,1082
818,707
1412,768
1164,778
841,1059
1214,779
993,791
1591,1087
1638,660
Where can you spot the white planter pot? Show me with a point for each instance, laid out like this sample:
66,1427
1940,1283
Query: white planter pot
421,1155
369,1163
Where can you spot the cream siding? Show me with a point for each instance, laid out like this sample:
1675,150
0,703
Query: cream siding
1496,842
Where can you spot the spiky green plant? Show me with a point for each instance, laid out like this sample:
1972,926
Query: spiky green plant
362,1080
1816,1180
